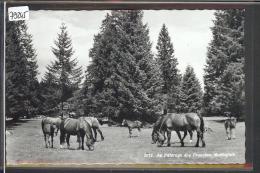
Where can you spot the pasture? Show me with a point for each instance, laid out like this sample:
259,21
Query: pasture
25,145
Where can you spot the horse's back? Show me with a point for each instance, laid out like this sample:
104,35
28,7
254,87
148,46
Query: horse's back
193,119
183,121
93,122
70,125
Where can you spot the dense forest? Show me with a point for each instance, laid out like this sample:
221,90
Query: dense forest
125,79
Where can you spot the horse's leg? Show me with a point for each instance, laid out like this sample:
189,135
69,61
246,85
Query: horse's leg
184,136
52,140
82,142
191,134
95,134
179,136
68,140
48,138
227,133
169,134
198,137
130,132
99,131
45,139
62,138
202,139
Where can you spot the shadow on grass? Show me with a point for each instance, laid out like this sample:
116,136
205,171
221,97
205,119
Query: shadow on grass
12,124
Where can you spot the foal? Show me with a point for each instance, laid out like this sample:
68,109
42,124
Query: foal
230,125
132,125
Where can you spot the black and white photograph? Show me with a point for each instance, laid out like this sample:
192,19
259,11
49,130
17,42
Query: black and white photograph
111,87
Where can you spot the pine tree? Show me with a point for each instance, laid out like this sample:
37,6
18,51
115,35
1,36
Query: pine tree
191,92
225,51
32,72
117,79
21,72
168,66
63,75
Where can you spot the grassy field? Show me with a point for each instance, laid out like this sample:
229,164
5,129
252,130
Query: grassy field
25,144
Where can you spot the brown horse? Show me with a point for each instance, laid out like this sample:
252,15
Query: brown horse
94,123
50,126
132,125
181,122
76,127
157,126
230,125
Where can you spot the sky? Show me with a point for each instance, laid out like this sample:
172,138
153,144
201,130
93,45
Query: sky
189,31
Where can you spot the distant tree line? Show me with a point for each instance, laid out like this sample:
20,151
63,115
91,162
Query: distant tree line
125,79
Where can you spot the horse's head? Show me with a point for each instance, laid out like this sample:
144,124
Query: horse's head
160,139
154,137
90,142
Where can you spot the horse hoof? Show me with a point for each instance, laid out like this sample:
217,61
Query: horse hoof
168,145
204,145
61,146
196,145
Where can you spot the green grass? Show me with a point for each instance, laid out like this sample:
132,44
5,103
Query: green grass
25,144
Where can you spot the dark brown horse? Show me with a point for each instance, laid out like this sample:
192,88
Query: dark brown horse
132,125
230,125
50,126
76,127
157,126
181,122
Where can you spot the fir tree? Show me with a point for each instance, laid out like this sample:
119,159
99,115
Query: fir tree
168,66
21,72
122,66
191,92
225,52
63,75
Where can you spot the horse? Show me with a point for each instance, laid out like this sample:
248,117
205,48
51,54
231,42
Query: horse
76,127
157,126
230,125
132,125
95,123
181,122
49,125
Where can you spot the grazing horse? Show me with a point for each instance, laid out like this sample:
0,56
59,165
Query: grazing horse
76,127
181,122
132,125
230,125
49,125
94,123
157,126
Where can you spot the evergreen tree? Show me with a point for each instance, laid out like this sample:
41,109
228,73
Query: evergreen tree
191,92
225,52
21,72
168,66
63,75
121,80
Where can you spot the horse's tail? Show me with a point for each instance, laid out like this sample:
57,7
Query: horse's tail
42,124
202,124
